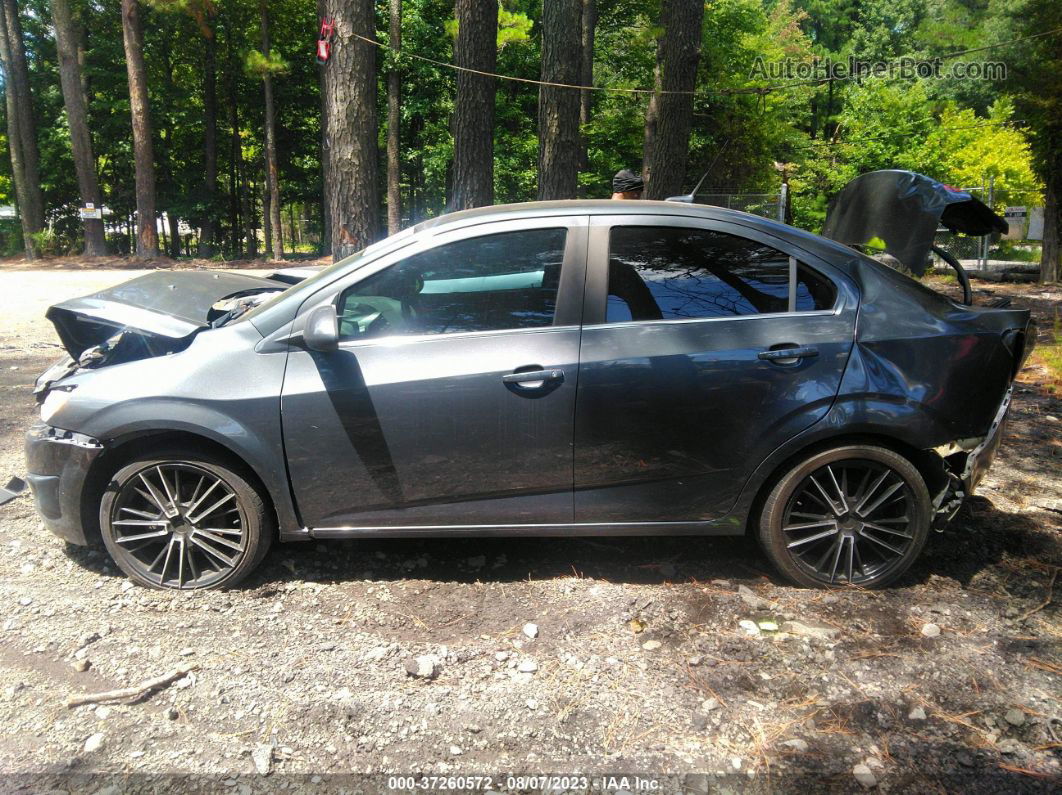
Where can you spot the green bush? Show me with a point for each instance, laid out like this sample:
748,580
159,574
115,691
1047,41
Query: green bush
46,243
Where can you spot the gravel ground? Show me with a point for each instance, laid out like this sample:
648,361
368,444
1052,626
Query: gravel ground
637,661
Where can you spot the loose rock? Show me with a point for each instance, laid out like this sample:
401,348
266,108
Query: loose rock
750,627
864,776
930,630
917,714
752,600
810,629
1015,717
531,630
262,756
423,667
94,743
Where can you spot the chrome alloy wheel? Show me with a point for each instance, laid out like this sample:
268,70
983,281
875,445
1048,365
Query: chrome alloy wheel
178,525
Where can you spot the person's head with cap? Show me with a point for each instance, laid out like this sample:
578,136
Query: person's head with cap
627,185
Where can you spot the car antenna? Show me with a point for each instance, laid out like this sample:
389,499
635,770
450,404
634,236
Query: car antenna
688,197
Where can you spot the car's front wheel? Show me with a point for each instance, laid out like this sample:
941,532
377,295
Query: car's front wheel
182,520
852,515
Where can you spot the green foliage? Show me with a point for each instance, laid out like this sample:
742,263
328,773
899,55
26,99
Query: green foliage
47,243
513,28
965,150
961,132
260,64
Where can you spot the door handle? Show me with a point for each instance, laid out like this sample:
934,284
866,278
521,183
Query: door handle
538,378
788,355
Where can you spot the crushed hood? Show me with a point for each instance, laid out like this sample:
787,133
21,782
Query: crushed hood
161,307
903,210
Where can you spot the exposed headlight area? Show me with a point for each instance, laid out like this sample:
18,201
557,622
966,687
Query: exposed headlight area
98,354
54,401
42,432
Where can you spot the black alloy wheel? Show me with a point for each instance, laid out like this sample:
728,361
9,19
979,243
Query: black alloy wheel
852,516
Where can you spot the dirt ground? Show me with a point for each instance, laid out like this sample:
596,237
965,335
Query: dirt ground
948,682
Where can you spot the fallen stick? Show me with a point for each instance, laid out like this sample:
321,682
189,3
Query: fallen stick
1045,602
134,692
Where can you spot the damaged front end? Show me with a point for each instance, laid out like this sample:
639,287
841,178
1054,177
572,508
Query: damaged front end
157,314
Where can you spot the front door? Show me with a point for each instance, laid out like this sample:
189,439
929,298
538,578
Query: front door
706,345
450,401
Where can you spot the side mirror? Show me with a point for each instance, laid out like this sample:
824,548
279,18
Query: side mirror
321,332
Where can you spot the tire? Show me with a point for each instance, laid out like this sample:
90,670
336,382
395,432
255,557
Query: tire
184,520
857,515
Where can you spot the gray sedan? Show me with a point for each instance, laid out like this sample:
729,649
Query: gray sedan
555,368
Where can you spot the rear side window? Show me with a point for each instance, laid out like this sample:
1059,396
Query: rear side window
494,282
672,273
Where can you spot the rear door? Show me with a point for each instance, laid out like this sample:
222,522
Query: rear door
705,346
451,399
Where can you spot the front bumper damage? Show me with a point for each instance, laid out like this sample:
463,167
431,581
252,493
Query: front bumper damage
58,464
965,464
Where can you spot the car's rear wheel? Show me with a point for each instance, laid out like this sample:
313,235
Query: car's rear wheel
184,521
855,515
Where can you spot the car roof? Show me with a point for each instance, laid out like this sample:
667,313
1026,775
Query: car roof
819,245
577,207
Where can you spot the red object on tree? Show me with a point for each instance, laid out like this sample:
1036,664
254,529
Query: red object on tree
324,40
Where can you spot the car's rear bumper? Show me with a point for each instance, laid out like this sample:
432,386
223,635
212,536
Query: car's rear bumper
964,471
982,456
57,464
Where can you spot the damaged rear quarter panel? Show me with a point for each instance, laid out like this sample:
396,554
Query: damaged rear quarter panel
923,369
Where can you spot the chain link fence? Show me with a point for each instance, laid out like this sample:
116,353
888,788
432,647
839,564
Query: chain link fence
766,205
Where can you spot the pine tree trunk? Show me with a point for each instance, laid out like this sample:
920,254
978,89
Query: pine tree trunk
586,78
652,116
66,41
350,97
210,146
670,115
1050,253
274,241
558,108
326,212
147,237
235,147
15,142
175,235
250,230
476,47
22,131
267,216
82,55
394,166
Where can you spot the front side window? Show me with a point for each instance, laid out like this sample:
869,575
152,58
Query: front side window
495,282
670,273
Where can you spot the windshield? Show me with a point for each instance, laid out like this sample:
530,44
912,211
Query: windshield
308,286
